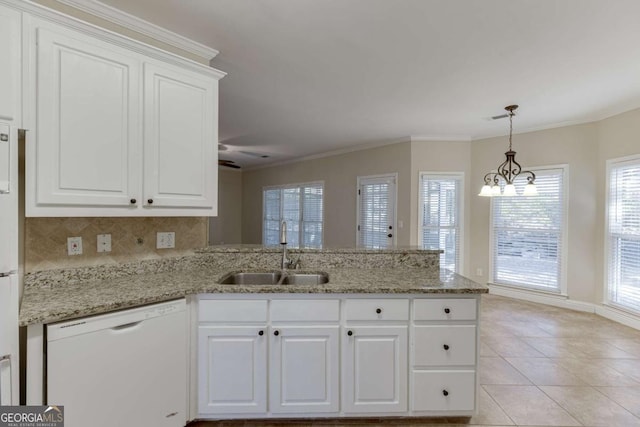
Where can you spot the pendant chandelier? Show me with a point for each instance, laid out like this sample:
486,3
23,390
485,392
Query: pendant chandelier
509,170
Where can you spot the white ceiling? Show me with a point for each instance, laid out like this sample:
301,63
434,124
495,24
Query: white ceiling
312,76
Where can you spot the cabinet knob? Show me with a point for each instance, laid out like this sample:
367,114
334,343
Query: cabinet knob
261,333
349,333
133,201
446,347
389,235
150,201
276,333
447,310
445,392
378,310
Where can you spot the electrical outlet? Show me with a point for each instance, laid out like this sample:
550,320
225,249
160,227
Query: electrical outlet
74,246
165,240
104,242
478,272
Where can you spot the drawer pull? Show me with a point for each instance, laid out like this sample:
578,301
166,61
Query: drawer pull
447,310
150,201
276,333
446,347
445,392
378,310
261,333
349,333
133,201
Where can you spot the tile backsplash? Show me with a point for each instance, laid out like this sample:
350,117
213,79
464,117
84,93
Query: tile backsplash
131,239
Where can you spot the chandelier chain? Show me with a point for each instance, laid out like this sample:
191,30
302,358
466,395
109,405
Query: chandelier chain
511,114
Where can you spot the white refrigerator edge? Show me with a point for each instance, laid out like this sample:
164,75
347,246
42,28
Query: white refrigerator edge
9,289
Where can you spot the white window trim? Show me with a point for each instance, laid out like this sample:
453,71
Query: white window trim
607,246
565,235
461,210
285,186
385,176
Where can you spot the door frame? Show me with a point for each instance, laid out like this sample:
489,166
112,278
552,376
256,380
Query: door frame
394,177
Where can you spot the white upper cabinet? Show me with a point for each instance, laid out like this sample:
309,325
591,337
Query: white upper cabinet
114,131
87,121
178,135
10,69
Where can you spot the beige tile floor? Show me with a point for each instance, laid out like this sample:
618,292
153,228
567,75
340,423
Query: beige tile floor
539,366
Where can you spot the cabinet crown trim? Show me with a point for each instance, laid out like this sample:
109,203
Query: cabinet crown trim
139,25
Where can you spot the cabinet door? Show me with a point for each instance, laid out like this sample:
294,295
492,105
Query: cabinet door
232,370
375,369
304,369
87,129
10,69
180,138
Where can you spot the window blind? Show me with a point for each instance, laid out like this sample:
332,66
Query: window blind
301,206
527,234
623,266
440,204
376,212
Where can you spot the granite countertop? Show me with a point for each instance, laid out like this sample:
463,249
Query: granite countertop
46,305
57,295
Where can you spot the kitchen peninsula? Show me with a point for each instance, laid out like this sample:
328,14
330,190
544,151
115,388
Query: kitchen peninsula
390,334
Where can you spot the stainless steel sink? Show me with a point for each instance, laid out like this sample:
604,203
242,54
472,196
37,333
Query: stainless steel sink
306,279
274,278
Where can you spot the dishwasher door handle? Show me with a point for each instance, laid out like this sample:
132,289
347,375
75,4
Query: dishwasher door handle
126,326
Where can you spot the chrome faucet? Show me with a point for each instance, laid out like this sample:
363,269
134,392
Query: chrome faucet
283,241
286,262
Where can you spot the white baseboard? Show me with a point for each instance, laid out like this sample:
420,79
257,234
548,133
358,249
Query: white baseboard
619,316
563,301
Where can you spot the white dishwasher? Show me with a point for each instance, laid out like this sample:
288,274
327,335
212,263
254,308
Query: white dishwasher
127,368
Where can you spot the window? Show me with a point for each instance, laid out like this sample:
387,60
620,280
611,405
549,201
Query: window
301,207
376,211
440,218
623,233
528,234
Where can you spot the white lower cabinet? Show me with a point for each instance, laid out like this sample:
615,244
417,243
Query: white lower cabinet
232,370
375,369
452,390
281,355
304,369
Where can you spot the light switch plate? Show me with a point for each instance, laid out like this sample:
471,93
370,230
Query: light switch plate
165,240
74,246
104,243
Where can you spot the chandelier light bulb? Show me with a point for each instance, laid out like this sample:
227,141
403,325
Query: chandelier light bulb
485,191
509,190
530,190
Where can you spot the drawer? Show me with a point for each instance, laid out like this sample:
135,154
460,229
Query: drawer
444,309
377,309
305,310
444,345
232,310
444,390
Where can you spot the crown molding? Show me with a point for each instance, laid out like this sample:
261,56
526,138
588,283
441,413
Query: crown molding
141,26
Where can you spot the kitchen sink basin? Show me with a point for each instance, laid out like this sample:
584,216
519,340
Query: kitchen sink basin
274,278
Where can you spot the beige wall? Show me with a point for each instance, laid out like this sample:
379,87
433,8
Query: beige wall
441,156
226,228
339,174
575,146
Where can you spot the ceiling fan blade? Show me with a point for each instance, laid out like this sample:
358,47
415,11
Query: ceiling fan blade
252,154
228,163
501,116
